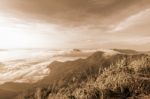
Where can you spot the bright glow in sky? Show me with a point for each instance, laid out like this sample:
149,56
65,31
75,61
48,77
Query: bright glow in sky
16,33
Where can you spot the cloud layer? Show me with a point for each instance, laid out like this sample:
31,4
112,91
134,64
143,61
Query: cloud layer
76,12
95,23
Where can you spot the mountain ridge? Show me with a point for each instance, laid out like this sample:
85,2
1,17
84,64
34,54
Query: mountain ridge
80,69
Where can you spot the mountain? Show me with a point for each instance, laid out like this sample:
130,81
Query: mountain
126,51
73,75
11,89
92,65
65,70
67,73
76,53
6,94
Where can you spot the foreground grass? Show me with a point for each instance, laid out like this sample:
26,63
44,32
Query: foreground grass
122,80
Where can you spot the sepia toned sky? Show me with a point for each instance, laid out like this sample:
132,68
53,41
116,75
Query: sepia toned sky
86,24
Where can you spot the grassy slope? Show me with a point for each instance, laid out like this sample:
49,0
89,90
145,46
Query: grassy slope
10,89
113,77
6,94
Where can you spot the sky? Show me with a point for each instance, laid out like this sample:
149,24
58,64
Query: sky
85,24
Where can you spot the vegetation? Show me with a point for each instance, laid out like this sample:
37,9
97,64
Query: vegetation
121,80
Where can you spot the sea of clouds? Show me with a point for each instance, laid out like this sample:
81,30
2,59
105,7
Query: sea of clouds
31,65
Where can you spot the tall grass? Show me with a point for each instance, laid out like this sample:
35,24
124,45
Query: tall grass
121,80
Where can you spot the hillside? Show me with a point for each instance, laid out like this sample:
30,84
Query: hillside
11,89
102,75
6,94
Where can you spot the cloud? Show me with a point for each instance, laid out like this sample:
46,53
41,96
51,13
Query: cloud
140,18
16,32
86,21
76,12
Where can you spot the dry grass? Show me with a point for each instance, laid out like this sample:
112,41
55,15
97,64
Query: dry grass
120,81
